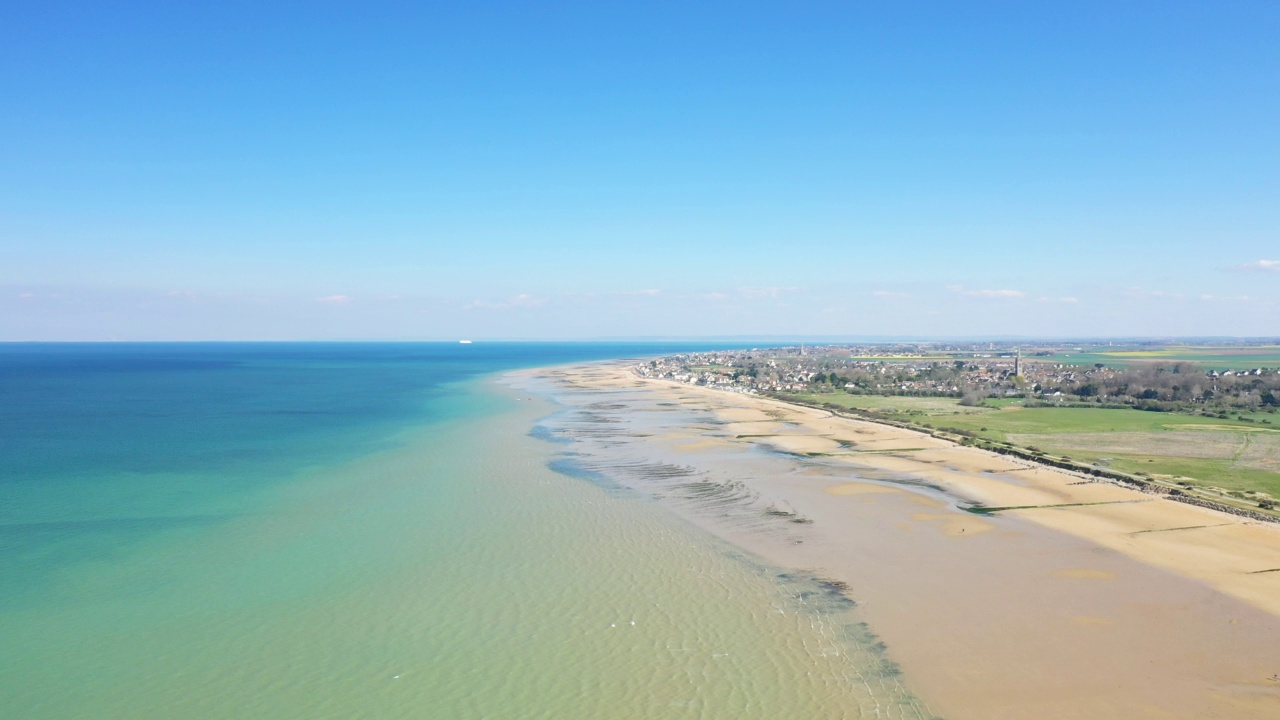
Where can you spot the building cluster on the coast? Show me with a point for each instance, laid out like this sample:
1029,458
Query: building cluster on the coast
974,372
895,368
877,369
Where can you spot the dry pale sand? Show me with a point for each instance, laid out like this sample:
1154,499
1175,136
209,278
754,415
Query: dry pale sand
1089,601
1229,558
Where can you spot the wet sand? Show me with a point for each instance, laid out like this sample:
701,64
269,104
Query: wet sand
1095,602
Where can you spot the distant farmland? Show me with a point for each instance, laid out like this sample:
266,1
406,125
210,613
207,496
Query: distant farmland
1208,357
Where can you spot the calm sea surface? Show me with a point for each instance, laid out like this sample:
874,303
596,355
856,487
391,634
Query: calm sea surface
368,531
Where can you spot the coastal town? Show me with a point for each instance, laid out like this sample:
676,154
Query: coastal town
974,373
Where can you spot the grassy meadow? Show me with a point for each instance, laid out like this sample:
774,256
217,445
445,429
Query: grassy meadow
1237,456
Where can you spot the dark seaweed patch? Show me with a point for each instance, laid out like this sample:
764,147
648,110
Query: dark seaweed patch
542,432
571,466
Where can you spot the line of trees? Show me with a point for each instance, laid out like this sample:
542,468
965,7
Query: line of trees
1172,385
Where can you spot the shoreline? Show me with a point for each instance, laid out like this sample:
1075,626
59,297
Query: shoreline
1250,546
1242,548
1124,604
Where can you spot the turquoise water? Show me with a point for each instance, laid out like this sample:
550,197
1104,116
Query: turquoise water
317,531
107,445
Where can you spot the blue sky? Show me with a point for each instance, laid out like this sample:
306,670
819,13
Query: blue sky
258,170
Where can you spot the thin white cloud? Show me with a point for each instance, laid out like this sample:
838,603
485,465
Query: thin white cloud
765,292
640,293
890,294
987,293
1260,265
335,299
1143,292
523,300
1224,298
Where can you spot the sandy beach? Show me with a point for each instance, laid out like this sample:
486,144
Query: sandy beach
1083,600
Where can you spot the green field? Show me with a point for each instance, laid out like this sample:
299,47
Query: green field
1211,358
1229,454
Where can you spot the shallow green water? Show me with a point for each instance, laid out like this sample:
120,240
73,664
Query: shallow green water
450,574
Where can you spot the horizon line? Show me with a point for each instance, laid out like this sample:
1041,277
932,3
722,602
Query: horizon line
832,339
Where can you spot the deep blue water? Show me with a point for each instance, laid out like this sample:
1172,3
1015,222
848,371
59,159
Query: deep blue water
102,445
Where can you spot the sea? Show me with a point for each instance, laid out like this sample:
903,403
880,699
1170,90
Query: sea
348,530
